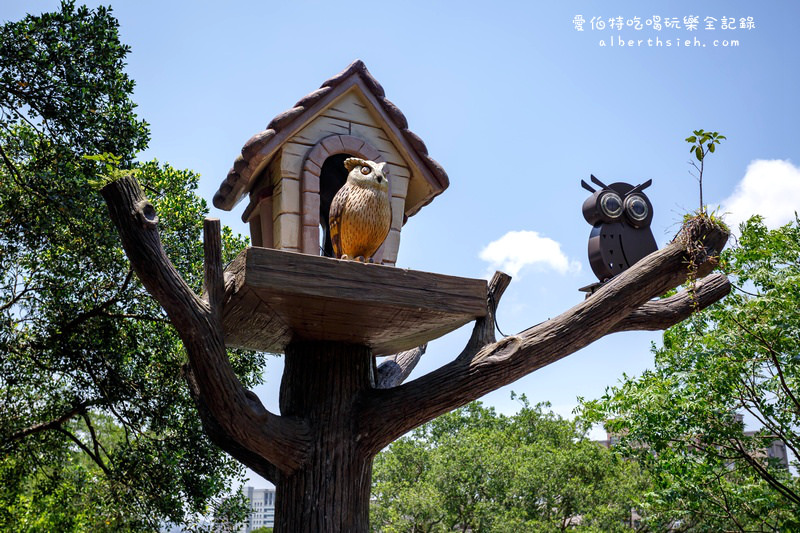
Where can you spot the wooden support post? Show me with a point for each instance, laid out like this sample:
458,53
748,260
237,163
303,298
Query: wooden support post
214,280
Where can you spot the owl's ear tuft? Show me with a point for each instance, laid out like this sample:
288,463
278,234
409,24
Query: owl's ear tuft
352,162
382,166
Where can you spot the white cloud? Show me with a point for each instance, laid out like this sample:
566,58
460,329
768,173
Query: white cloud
770,188
518,249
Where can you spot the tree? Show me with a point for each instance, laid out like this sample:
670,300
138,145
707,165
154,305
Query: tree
96,429
738,356
702,143
333,419
474,470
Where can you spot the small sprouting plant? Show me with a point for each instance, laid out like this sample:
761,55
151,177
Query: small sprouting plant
109,163
715,217
703,142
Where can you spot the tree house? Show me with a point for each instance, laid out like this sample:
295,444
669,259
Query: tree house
291,170
289,173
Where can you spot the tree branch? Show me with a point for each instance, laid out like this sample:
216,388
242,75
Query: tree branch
661,314
134,316
222,400
395,369
479,370
99,309
15,298
785,491
96,458
95,441
51,424
775,361
483,331
222,438
9,164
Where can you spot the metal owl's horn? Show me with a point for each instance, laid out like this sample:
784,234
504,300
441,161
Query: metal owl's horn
641,186
598,182
587,186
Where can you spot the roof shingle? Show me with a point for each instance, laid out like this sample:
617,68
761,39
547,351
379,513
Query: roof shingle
238,180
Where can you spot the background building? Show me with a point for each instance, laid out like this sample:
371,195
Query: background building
262,508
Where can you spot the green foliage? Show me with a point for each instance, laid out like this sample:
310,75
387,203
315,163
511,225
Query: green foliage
97,430
62,73
111,163
738,356
475,470
702,143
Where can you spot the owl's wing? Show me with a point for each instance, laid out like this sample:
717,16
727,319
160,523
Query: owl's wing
335,219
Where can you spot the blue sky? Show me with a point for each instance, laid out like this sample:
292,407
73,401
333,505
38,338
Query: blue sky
517,105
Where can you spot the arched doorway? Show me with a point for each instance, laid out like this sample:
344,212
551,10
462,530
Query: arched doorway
331,179
323,175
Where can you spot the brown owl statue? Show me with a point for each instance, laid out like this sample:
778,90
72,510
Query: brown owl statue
361,212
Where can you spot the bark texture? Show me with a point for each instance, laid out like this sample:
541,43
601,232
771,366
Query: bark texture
396,368
337,410
235,420
324,384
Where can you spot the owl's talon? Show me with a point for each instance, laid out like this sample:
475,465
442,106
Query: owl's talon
361,259
344,257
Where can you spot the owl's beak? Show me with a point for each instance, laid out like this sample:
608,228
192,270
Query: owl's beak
379,177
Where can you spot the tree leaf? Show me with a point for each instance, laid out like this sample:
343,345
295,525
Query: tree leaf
679,418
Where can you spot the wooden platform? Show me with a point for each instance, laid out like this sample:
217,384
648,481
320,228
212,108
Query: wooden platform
280,296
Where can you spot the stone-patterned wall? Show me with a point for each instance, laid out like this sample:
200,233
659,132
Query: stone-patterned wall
344,127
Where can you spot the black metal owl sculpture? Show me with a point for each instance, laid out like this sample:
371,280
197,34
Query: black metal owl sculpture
621,236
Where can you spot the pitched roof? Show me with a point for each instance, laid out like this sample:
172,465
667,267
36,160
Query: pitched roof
261,146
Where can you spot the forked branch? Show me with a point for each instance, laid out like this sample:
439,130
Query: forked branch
622,304
236,421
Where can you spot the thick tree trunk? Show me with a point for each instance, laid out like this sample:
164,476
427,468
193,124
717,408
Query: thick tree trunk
323,383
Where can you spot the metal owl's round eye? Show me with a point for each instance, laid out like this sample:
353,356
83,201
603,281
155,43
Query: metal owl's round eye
365,170
611,204
636,208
